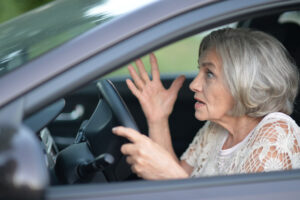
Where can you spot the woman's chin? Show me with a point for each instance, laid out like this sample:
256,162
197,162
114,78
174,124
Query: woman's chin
200,117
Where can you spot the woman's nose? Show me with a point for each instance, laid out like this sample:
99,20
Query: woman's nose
196,84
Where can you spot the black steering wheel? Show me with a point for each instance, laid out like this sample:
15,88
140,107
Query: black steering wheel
116,104
96,139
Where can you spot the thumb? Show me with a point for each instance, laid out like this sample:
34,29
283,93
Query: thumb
177,84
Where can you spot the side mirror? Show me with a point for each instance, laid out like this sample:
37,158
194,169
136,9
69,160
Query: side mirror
23,171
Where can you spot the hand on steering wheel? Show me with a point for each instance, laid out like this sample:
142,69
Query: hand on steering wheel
148,159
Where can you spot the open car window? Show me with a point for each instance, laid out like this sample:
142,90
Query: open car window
179,57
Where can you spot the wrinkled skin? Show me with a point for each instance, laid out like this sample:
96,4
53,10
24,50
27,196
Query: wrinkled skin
156,101
148,159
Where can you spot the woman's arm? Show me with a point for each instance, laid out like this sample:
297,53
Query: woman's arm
187,168
153,157
164,140
274,147
159,132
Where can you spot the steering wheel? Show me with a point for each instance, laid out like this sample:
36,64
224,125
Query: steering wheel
95,139
116,104
110,111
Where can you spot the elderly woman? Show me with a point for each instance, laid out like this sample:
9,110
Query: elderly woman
245,90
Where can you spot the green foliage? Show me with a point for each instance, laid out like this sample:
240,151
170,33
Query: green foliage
12,8
178,58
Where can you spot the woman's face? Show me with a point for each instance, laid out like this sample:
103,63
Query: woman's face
214,100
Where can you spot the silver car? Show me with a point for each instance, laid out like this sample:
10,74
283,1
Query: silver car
62,86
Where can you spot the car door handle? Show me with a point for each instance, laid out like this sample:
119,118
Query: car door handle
74,115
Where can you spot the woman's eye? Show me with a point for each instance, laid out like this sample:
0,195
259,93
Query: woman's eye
209,74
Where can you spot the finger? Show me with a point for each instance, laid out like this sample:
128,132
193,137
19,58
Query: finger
133,169
129,160
142,70
128,149
137,80
132,88
154,67
129,133
136,170
177,84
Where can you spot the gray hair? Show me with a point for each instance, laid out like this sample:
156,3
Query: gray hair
258,71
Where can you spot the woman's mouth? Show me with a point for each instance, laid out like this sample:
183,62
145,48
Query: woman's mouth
199,104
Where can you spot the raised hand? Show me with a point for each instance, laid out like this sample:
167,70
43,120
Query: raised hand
148,159
156,101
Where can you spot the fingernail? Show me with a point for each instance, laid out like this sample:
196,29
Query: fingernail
114,129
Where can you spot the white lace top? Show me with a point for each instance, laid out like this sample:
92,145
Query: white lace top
274,144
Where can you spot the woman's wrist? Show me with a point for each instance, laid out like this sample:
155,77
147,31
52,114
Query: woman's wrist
179,173
159,122
159,128
159,132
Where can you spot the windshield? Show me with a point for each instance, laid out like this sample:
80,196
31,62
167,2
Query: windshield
34,33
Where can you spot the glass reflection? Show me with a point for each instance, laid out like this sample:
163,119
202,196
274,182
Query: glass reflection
45,28
116,7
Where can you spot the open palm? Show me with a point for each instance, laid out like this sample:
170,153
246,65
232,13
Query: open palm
156,101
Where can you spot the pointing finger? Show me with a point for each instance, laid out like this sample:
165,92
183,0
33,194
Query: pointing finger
129,133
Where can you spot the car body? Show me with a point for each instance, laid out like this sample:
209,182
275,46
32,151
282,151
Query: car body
62,49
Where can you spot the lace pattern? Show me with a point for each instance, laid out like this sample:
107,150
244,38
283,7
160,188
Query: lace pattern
272,145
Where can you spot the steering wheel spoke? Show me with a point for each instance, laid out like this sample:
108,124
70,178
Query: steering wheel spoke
111,111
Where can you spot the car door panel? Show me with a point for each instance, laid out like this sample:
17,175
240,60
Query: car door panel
272,185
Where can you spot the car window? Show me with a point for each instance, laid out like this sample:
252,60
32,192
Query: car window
22,41
180,57
291,16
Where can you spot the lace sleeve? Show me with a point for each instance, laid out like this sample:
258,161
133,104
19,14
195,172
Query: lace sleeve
195,148
274,147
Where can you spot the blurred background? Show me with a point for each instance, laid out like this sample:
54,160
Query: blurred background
12,8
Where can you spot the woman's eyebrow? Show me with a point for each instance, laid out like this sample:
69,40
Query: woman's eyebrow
207,64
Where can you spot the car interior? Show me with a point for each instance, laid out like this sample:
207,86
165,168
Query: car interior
81,123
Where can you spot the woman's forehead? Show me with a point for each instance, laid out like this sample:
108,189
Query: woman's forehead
210,58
